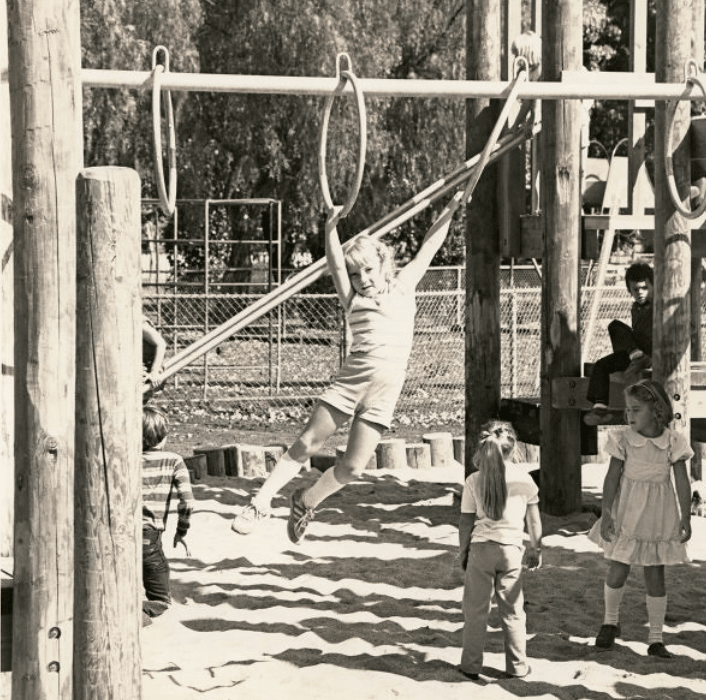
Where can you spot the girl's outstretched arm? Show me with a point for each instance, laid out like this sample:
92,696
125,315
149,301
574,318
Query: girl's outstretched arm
534,528
336,260
683,487
413,272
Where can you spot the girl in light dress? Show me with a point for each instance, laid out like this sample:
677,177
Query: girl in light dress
646,518
380,308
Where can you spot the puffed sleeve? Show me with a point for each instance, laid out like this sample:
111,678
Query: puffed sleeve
680,448
615,444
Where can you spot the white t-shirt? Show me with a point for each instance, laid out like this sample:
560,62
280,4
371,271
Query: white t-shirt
510,529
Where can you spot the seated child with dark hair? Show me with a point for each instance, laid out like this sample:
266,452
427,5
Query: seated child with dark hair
632,347
162,474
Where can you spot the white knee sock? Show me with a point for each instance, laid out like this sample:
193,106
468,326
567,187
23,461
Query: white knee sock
323,488
612,598
284,471
656,611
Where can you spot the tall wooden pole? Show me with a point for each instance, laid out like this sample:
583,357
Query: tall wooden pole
108,522
45,94
483,62
7,335
560,454
672,315
697,53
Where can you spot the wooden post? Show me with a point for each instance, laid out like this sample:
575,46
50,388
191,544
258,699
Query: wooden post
483,62
697,52
108,522
418,455
7,343
390,453
441,447
560,453
44,68
672,238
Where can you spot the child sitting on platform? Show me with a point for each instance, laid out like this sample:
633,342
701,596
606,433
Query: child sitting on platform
632,347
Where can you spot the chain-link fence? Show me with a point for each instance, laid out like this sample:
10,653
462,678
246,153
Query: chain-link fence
286,358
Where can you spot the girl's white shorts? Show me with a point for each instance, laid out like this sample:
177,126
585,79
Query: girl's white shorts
367,387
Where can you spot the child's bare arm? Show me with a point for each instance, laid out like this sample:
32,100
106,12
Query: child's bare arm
534,529
433,240
683,487
337,261
465,530
610,488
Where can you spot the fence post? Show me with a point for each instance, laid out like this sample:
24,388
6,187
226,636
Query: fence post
107,518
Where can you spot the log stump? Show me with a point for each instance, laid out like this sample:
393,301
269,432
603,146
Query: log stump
196,464
391,454
460,449
418,455
442,448
215,460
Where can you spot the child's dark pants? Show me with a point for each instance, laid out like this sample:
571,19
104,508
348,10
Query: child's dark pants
623,341
155,573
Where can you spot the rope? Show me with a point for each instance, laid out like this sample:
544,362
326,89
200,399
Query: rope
343,75
691,81
166,202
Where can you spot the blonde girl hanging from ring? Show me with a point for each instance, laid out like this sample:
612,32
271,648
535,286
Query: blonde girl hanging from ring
646,517
380,307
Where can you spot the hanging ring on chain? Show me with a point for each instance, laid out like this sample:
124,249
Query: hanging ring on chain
166,202
692,79
344,74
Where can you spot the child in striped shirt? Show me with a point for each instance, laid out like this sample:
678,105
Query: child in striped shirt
162,474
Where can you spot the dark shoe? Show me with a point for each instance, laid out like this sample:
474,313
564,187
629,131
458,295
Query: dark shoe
607,636
599,416
633,372
659,650
299,517
470,676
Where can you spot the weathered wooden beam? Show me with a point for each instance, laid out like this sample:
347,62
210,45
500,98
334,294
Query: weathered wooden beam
482,363
560,452
44,71
108,513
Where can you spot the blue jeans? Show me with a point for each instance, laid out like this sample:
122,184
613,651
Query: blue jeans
494,567
155,573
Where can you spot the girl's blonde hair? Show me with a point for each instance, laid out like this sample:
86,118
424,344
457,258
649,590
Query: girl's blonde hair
497,441
370,251
653,395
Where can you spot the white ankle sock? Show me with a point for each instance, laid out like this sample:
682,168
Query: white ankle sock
284,471
600,404
323,488
635,354
656,611
612,598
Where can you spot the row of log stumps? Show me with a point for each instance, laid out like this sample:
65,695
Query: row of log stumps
439,449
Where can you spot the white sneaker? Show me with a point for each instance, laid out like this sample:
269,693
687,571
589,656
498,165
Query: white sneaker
244,523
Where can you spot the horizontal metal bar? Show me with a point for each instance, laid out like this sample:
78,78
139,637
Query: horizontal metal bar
604,88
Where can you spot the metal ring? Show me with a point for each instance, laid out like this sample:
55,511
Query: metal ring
343,76
166,202
668,155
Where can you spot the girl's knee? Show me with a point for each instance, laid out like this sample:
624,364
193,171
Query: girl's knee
347,471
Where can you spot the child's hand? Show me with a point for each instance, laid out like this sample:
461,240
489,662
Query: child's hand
533,560
463,559
178,539
607,526
685,528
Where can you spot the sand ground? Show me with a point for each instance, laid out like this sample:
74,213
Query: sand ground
369,605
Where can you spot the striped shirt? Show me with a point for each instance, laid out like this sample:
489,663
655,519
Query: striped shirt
162,474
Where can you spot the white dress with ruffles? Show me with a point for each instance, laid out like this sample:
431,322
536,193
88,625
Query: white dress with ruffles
645,510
